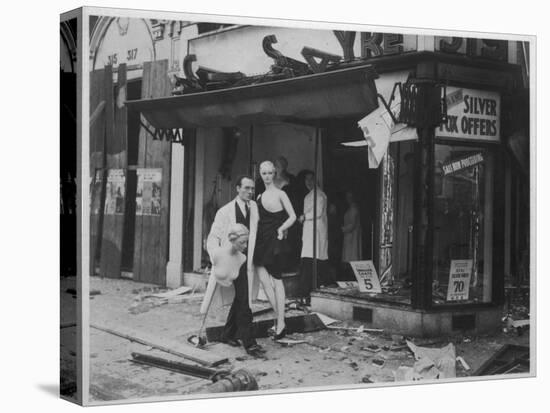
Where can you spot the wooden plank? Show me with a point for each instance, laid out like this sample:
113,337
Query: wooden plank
189,191
98,127
116,147
139,272
151,248
97,130
206,358
260,329
117,150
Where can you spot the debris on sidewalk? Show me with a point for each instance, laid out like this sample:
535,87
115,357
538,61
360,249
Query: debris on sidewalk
184,298
326,320
463,363
150,297
347,284
515,326
287,342
508,359
354,365
171,293
355,330
431,363
366,379
373,348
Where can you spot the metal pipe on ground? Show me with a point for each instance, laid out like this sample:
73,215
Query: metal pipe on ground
223,380
241,380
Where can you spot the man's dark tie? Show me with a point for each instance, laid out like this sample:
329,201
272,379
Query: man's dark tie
246,210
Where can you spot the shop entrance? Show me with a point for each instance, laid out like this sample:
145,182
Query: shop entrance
348,179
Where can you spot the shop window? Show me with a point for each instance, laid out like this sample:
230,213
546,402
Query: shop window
396,220
463,219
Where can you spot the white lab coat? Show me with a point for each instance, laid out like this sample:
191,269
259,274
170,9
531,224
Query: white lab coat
322,226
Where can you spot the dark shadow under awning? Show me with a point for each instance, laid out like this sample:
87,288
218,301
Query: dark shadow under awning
305,99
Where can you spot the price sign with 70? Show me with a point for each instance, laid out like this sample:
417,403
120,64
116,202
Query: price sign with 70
459,280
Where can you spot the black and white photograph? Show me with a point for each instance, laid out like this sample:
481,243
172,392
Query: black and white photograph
285,206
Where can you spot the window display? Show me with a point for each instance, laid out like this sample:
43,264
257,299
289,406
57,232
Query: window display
462,224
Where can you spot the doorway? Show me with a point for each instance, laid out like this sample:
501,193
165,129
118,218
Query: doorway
346,169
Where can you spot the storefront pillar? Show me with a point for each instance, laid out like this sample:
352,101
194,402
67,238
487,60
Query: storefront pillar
422,261
174,267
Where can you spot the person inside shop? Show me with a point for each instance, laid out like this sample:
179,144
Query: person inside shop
244,211
276,216
335,220
307,219
286,181
352,234
283,179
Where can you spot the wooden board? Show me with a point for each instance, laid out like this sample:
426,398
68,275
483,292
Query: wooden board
206,358
152,232
298,324
116,127
97,132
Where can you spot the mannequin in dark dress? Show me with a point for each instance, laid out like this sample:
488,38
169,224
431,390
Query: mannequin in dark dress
276,217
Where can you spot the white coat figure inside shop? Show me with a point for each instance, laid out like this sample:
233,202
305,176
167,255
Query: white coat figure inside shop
235,224
321,256
351,246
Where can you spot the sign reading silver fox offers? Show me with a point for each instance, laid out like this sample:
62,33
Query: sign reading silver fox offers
471,114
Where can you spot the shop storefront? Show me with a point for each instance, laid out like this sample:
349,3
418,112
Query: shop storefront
130,186
433,216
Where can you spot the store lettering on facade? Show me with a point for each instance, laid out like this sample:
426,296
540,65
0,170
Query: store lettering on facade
486,48
372,44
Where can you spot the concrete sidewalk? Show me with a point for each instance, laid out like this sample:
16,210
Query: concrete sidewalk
329,358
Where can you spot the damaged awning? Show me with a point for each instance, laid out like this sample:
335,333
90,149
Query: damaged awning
306,99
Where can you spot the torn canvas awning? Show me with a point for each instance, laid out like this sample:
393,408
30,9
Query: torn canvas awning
341,93
380,128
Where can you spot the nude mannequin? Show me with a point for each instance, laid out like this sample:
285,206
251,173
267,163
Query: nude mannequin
228,259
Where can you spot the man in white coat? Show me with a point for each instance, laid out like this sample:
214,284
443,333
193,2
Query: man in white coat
321,238
241,210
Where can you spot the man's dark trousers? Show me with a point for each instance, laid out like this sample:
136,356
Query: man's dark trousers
239,320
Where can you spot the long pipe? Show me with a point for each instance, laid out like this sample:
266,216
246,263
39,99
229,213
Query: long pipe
250,149
316,150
